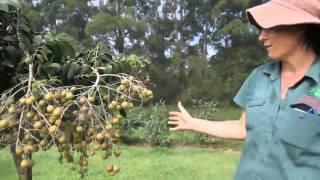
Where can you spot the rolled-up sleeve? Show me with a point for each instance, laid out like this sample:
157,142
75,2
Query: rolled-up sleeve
245,89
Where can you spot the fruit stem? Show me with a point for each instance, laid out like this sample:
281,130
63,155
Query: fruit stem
20,126
12,95
28,92
30,79
97,80
95,85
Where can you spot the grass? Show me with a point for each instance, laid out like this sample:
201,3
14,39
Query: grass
221,113
227,113
185,160
185,138
190,138
136,163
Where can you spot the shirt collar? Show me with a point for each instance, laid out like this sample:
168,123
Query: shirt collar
273,70
314,71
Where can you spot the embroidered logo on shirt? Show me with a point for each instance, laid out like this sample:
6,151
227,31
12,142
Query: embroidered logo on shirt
309,103
315,92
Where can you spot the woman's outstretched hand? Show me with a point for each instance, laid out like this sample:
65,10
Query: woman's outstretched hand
180,120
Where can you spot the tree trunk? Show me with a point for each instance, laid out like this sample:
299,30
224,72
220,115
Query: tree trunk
120,41
23,174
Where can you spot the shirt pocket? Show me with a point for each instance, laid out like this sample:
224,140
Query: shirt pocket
255,102
255,110
300,129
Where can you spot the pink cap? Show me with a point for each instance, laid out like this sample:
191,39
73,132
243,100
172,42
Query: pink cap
285,12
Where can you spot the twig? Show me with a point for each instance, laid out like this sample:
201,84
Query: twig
27,94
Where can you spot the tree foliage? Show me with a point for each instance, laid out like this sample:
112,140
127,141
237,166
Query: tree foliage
61,97
175,35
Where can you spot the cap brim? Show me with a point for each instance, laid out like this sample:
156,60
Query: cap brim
273,14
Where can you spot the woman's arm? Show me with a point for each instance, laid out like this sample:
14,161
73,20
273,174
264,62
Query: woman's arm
229,129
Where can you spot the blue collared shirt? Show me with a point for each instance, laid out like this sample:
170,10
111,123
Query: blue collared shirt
282,142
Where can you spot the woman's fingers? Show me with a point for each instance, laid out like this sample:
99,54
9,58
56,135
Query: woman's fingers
174,129
174,118
178,118
182,109
174,113
173,122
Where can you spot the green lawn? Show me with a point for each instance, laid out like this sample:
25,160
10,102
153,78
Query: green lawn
136,163
187,138
184,160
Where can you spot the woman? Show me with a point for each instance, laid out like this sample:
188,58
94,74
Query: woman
280,121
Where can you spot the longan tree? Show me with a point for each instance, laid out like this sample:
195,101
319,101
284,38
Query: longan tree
56,96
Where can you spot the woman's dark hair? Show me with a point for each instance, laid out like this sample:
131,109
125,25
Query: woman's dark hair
311,37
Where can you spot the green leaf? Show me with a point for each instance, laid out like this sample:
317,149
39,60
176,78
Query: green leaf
73,70
57,54
10,38
85,69
45,52
4,7
65,49
68,50
125,67
37,39
107,57
7,63
39,58
25,28
39,69
25,41
12,54
66,38
15,3
53,67
104,70
65,70
115,68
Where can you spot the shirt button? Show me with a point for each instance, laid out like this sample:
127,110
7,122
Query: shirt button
256,177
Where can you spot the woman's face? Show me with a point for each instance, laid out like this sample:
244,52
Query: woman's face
281,41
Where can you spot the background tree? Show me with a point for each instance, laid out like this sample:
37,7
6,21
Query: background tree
119,24
178,36
236,44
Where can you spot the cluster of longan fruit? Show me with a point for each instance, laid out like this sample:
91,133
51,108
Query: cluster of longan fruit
76,121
